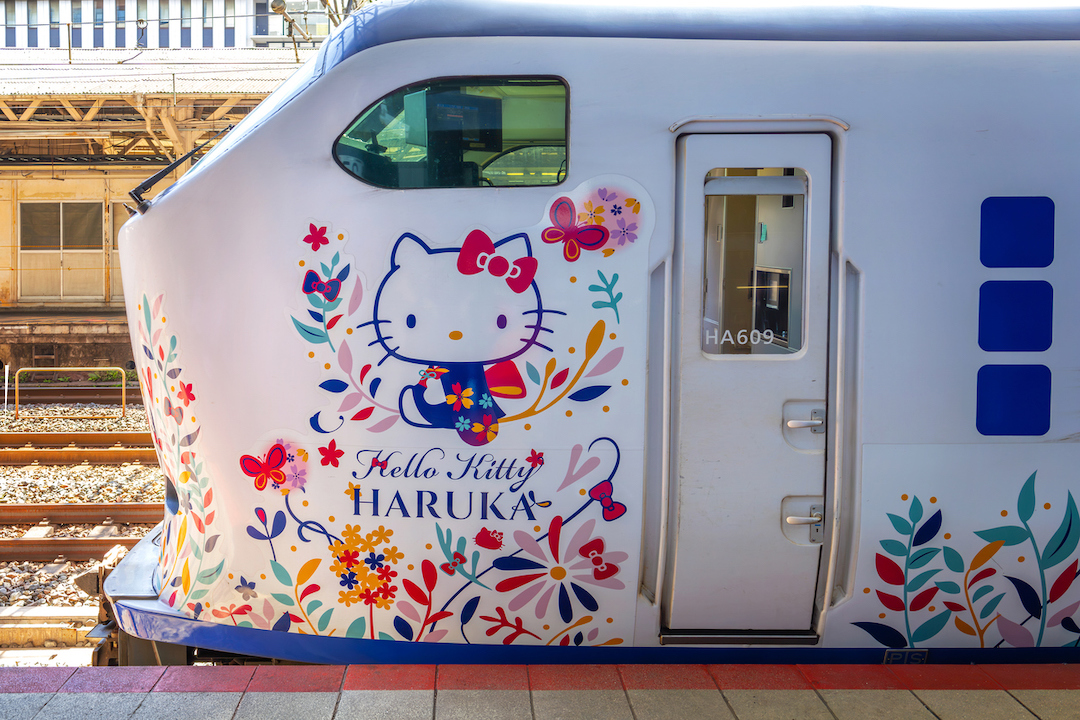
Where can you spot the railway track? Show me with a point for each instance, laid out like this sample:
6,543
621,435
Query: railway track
97,448
63,393
37,545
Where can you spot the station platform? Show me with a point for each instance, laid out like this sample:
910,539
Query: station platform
566,692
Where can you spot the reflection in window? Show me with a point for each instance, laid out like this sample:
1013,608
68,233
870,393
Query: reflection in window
754,258
464,132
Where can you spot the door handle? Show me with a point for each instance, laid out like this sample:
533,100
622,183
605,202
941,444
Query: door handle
816,423
796,520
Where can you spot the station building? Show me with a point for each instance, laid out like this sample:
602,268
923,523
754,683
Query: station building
79,129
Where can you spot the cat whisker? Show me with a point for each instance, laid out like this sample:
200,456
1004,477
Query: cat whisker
371,322
380,340
388,354
534,342
541,327
541,311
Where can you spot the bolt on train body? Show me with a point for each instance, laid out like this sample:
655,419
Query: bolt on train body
525,331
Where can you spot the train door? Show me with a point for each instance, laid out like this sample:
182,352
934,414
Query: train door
750,368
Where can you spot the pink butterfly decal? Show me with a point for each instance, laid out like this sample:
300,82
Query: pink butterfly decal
266,470
574,237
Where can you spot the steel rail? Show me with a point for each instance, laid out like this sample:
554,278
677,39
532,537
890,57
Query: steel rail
97,513
76,448
65,394
49,549
80,439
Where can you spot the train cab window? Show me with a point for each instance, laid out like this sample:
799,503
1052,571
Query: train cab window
461,132
752,290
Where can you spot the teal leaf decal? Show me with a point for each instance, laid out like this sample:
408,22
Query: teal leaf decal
198,594
1008,534
283,599
532,372
1025,504
990,606
981,593
608,289
922,557
357,628
931,627
900,524
313,606
312,335
324,621
281,573
887,636
1064,541
894,547
208,576
385,636
921,580
947,586
953,561
915,511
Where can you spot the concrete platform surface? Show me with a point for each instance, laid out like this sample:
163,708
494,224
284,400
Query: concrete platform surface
542,692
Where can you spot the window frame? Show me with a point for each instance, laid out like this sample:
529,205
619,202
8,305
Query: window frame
464,78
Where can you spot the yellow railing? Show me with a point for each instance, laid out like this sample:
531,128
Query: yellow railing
123,392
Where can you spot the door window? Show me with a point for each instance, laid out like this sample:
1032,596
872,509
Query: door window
752,290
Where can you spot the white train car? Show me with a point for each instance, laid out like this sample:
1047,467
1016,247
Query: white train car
545,331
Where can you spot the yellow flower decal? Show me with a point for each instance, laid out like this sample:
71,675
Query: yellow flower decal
592,215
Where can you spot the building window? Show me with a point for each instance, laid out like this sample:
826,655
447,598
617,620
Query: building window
208,23
99,23
121,24
185,23
230,23
76,24
61,251
31,24
163,23
54,23
141,25
461,132
262,18
9,24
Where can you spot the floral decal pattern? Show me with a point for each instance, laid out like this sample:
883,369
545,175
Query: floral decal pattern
975,594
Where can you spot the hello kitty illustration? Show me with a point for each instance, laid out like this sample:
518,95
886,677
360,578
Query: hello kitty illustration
462,314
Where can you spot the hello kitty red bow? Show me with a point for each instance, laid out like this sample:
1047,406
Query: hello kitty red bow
602,492
478,254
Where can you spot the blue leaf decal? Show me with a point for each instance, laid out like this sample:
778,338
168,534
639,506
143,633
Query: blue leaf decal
375,387
584,597
1008,534
283,624
931,627
928,531
174,373
989,607
1070,625
589,393
565,610
255,533
887,636
317,317
279,524
1028,597
314,422
902,526
533,374
1025,504
334,386
922,557
915,511
148,353
312,335
469,610
516,563
1064,541
894,547
343,274
953,560
404,629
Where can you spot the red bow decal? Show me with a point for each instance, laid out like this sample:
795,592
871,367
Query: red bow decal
594,550
448,568
478,254
432,372
376,463
314,284
602,492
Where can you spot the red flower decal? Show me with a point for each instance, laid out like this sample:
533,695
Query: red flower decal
185,393
316,237
331,454
536,459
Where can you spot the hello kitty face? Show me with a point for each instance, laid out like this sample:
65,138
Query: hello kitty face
473,304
